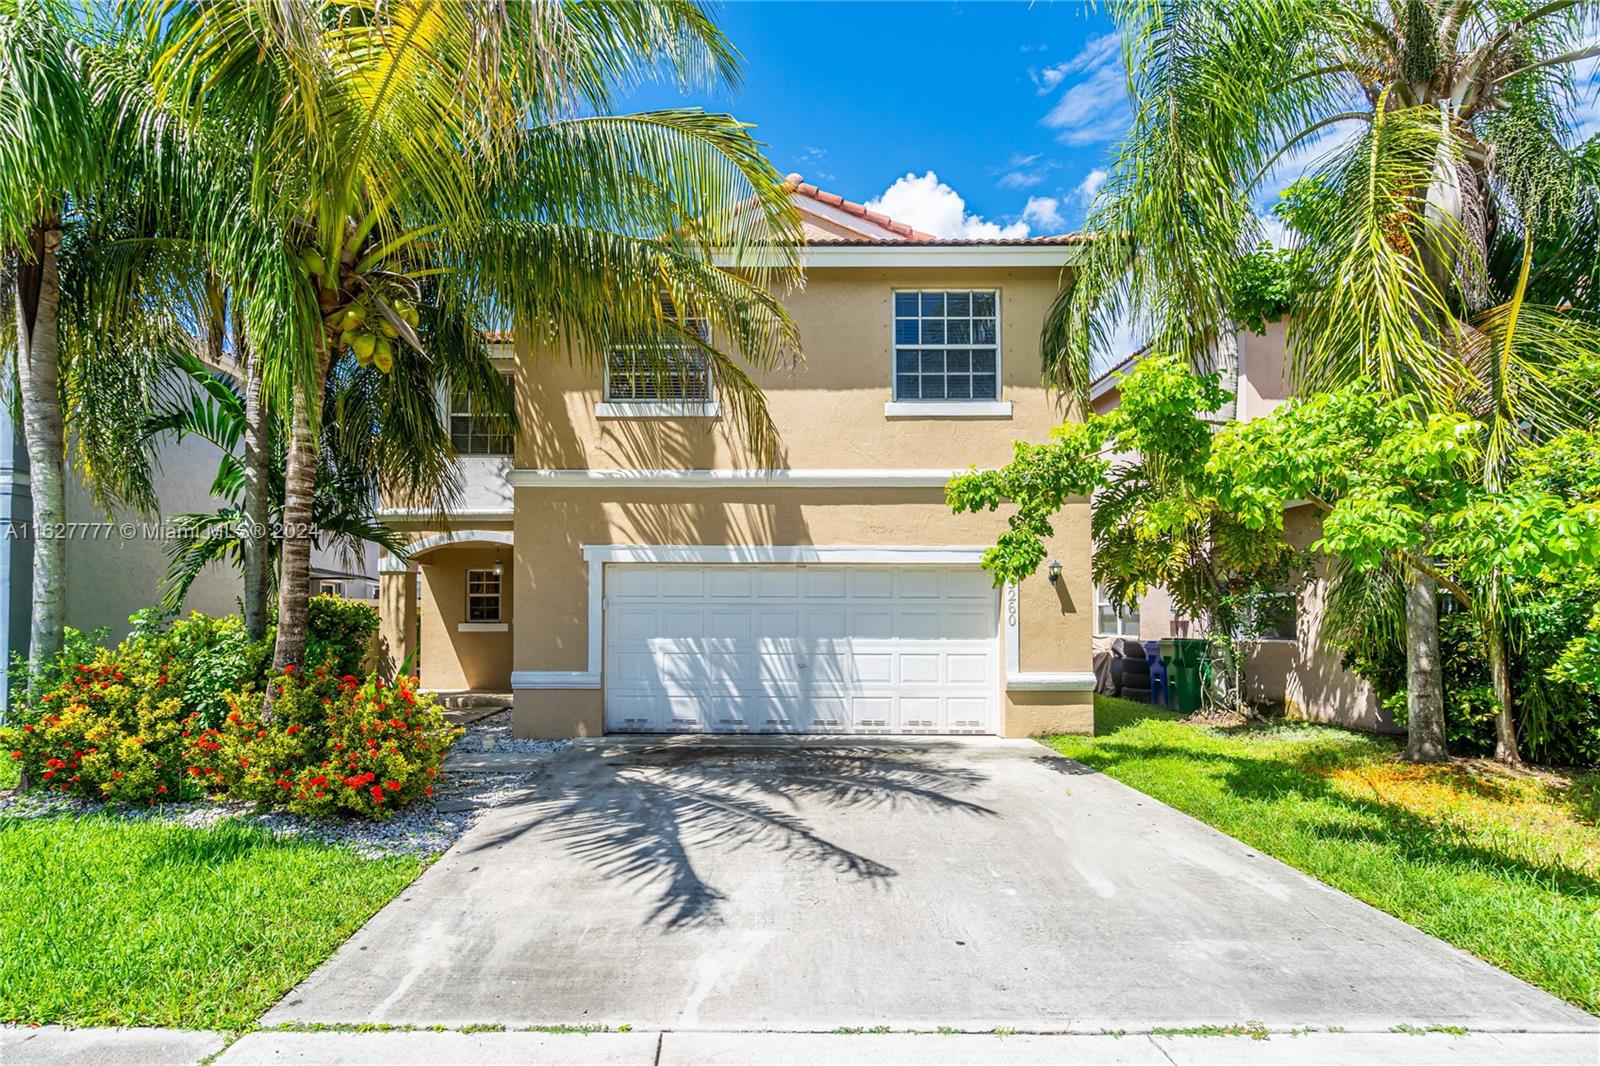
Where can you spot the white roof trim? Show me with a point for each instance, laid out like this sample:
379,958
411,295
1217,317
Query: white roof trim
589,478
921,254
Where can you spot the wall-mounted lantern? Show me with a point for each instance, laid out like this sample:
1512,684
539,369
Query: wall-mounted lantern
1054,570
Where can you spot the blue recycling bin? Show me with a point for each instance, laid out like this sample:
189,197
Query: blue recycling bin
1158,673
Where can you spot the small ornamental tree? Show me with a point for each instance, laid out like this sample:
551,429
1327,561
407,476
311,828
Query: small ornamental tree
1402,489
1158,521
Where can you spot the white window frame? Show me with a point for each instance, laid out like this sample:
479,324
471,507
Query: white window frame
708,407
498,596
447,407
330,588
1123,615
989,407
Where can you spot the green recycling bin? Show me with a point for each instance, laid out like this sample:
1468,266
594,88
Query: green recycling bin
1183,656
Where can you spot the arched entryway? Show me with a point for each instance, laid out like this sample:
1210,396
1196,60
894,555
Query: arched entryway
449,603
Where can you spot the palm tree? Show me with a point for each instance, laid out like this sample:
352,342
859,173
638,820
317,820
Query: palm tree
50,151
1458,111
424,157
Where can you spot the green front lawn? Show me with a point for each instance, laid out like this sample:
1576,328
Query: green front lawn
1506,866
105,921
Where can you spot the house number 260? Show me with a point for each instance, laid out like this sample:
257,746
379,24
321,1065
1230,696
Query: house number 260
1011,605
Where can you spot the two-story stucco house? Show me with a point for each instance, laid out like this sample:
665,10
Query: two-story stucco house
625,566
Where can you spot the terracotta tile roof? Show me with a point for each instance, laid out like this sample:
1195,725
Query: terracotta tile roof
895,231
798,186
949,242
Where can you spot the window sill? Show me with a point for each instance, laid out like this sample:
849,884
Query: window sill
947,409
658,410
483,627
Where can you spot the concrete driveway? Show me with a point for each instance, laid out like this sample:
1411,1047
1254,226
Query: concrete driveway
807,885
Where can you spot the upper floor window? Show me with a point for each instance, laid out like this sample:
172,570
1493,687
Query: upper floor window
1112,619
637,373
474,431
947,344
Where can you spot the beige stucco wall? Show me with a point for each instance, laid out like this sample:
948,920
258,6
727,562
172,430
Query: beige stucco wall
828,408
1305,674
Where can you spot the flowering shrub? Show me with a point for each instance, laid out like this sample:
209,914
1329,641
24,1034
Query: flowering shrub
335,744
111,730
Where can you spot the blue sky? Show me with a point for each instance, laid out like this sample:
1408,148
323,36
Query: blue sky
1004,102
1010,106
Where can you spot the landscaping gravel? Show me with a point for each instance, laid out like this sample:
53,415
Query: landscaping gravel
426,827
494,734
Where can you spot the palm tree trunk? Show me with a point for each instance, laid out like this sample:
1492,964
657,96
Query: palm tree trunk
1424,677
300,480
1505,722
257,508
38,305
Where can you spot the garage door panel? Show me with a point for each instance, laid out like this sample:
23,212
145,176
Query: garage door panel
682,582
731,583
795,649
919,625
919,714
777,582
682,622
866,584
967,625
969,668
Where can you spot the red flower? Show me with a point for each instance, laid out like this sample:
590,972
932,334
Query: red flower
289,669
428,790
161,789
377,793
392,786
16,755
284,782
292,730
48,774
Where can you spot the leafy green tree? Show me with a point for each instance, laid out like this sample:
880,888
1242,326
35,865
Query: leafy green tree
1460,112
1158,520
458,160
1400,488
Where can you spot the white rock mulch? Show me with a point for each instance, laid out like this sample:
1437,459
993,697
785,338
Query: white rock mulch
494,734
423,828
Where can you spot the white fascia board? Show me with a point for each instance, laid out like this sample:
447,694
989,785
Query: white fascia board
1045,682
947,409
819,479
918,254
524,680
899,555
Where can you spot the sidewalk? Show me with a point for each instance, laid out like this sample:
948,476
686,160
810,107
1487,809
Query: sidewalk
157,1047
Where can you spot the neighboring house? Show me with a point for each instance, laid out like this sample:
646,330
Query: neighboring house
1289,665
626,568
115,563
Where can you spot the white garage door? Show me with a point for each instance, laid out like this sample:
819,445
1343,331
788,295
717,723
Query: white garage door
801,649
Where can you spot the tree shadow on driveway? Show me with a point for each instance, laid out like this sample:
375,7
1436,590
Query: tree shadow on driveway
634,812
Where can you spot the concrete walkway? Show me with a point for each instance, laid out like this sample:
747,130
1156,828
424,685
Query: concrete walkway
782,884
150,1047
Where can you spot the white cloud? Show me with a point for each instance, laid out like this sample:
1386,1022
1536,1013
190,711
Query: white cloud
1094,106
1024,171
1084,191
1043,211
928,204
1096,53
